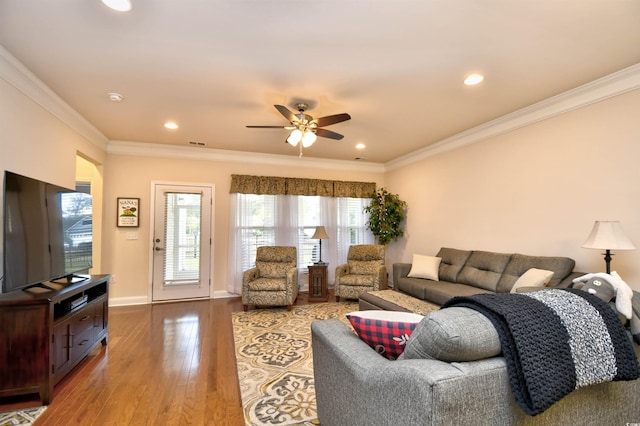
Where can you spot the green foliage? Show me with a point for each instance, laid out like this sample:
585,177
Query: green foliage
386,213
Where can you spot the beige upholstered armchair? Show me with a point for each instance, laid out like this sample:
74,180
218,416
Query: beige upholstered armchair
364,271
274,279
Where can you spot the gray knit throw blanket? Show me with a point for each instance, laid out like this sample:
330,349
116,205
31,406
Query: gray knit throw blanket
556,341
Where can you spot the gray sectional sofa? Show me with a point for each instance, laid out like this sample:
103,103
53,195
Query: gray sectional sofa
357,386
467,272
457,376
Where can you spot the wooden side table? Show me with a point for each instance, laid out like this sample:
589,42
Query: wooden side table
318,291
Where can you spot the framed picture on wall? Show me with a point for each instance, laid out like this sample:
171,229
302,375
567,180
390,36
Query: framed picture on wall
128,212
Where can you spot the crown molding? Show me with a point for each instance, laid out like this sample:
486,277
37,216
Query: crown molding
623,81
144,149
19,76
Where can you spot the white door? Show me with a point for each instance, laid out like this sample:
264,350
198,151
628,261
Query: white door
181,242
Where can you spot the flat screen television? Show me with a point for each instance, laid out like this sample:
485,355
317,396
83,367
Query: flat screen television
47,232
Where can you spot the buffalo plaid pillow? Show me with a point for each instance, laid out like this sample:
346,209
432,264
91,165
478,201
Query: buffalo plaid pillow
385,331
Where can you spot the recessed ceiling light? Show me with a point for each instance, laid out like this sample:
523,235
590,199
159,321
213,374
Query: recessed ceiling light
170,125
473,79
119,5
361,146
115,97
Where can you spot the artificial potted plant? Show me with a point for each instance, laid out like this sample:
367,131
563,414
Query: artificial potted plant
386,216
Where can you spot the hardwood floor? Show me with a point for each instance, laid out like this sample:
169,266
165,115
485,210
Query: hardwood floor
165,364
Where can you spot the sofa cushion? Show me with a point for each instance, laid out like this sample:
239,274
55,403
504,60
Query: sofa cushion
424,267
356,280
453,334
521,263
268,284
483,269
533,278
385,331
451,263
436,292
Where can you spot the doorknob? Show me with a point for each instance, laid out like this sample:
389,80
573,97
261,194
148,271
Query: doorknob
158,248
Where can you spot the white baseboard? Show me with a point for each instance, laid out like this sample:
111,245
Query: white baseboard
223,295
143,300
127,301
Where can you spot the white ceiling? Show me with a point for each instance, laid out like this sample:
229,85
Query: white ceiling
215,66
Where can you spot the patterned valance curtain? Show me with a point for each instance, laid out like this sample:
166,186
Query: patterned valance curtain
273,185
299,186
262,185
353,189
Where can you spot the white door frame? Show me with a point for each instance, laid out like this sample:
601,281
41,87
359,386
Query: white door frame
152,227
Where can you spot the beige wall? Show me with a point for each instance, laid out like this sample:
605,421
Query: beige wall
132,176
536,190
36,144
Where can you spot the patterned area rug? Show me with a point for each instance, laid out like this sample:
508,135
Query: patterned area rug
21,417
275,366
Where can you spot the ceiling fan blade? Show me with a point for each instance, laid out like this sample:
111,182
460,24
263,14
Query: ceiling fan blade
328,134
287,113
267,127
332,119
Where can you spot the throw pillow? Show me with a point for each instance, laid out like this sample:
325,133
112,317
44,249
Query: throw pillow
533,278
453,334
385,331
425,267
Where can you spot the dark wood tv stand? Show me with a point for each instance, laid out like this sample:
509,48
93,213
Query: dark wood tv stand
45,333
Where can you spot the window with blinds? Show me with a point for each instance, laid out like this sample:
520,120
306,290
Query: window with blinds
182,238
267,220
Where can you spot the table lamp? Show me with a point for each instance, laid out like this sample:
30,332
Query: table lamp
320,234
608,235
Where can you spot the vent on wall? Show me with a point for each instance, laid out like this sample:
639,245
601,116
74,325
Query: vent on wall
194,143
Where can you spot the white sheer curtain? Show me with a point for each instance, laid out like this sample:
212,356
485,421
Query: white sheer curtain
289,220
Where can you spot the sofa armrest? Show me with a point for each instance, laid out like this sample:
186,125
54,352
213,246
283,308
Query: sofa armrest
292,277
400,270
381,280
250,275
342,270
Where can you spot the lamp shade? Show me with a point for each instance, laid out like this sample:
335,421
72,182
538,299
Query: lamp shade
294,137
119,5
308,139
608,235
320,234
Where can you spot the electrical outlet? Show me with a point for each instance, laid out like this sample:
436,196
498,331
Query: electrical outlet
112,279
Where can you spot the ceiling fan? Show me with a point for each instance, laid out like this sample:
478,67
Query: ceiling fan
304,128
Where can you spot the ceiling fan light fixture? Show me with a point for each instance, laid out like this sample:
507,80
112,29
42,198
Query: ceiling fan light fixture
295,137
308,139
118,5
